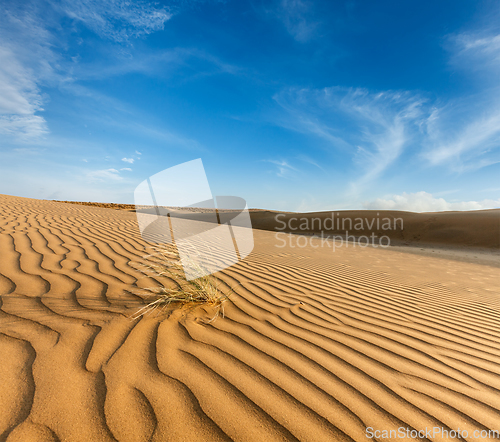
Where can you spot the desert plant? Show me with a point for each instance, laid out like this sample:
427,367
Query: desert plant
165,262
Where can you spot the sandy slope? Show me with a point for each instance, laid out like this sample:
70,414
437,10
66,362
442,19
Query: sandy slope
477,228
316,344
471,229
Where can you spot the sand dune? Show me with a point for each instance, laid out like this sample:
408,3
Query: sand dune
316,344
479,228
471,229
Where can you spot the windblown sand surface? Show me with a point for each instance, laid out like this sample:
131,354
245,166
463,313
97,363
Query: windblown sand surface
316,344
471,229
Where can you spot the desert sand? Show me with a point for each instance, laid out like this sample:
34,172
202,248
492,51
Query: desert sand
316,344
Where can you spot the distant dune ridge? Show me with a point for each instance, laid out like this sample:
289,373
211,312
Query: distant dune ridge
316,344
472,229
478,228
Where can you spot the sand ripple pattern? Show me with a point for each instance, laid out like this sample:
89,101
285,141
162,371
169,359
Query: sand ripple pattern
314,347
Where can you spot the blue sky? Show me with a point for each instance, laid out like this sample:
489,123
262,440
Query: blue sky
292,104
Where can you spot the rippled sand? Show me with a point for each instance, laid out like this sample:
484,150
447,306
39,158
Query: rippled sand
315,345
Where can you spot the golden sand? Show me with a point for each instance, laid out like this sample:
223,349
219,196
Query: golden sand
315,345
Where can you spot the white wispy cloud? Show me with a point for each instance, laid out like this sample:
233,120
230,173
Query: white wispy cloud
118,20
284,168
476,51
374,128
23,128
128,169
488,46
459,134
104,175
465,134
426,202
30,60
309,160
128,160
25,61
162,63
138,153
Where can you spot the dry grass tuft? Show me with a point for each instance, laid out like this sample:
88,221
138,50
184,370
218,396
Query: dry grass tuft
166,263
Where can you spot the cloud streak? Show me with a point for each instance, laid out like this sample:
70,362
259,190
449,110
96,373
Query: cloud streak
284,169
426,202
463,139
24,63
29,59
373,128
465,133
476,51
104,175
118,20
